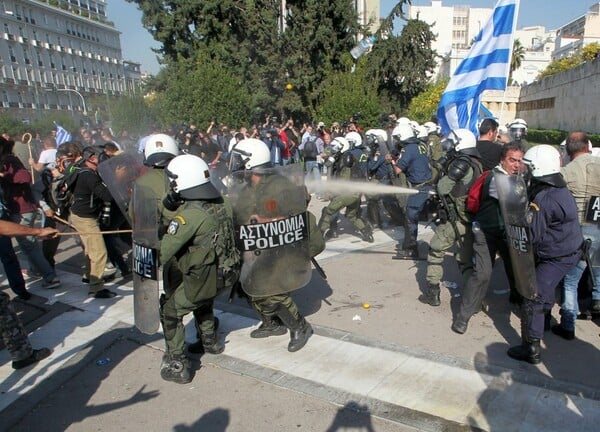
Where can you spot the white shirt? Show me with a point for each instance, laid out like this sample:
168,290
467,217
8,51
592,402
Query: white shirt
47,156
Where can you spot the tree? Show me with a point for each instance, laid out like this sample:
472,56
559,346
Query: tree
133,114
402,65
347,93
423,107
587,53
198,91
518,54
248,37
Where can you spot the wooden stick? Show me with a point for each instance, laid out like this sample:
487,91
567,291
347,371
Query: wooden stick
28,142
94,232
64,222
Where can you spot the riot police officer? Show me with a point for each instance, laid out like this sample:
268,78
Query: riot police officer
270,216
191,239
454,223
415,164
556,240
348,164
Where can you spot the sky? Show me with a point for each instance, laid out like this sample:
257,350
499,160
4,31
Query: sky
136,42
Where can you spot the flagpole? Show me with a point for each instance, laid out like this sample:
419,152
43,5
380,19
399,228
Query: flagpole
512,46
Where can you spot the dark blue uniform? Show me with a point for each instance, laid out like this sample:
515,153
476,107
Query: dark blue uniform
557,239
414,163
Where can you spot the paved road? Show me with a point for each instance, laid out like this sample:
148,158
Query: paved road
395,366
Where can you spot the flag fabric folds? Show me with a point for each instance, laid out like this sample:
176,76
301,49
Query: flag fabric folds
62,135
486,67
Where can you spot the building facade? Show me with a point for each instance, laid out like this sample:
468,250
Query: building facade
578,33
56,53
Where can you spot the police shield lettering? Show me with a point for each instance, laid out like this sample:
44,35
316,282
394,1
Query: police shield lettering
514,205
147,275
273,234
592,213
145,262
271,225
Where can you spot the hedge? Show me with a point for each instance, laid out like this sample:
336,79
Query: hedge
553,136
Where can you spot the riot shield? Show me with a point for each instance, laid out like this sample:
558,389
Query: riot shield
118,174
272,230
590,228
514,205
147,275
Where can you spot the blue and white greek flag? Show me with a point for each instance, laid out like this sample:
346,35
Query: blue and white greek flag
486,67
62,136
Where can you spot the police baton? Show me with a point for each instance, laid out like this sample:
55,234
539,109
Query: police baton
318,268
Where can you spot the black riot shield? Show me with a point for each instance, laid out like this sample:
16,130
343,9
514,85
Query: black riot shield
514,205
147,274
118,174
272,230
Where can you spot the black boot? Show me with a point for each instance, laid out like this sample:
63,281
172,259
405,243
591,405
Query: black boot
528,351
460,325
432,296
300,329
176,369
208,343
270,326
563,332
36,356
367,233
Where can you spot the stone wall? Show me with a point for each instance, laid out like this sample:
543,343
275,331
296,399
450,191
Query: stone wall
567,101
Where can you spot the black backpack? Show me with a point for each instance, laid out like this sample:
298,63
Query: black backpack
310,150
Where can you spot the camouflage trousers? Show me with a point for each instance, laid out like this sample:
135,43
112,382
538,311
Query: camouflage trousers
267,306
443,239
13,333
352,204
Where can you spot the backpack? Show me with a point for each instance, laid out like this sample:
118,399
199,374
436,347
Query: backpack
310,150
224,244
474,196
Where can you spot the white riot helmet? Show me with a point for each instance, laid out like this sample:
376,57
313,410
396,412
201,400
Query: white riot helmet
403,120
517,129
339,145
463,139
376,136
542,160
190,178
159,150
431,127
403,132
354,139
422,133
249,154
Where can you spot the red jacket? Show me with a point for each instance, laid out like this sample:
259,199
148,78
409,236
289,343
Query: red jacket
16,186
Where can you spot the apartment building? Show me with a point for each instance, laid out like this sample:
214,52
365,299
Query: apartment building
56,53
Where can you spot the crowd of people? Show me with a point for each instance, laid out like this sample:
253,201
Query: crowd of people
221,203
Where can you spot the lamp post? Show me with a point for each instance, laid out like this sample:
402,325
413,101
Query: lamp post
78,94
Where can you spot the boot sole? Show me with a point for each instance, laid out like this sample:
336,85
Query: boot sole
256,334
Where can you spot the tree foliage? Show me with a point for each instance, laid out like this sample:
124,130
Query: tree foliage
197,91
517,57
402,65
423,107
587,53
346,94
134,114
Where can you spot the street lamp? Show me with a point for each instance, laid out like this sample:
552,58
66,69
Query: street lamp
78,94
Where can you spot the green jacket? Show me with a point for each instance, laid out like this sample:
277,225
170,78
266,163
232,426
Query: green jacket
190,240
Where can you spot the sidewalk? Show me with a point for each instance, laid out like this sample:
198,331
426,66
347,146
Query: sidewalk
396,368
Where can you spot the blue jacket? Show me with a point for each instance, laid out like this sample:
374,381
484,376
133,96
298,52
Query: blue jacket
555,227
